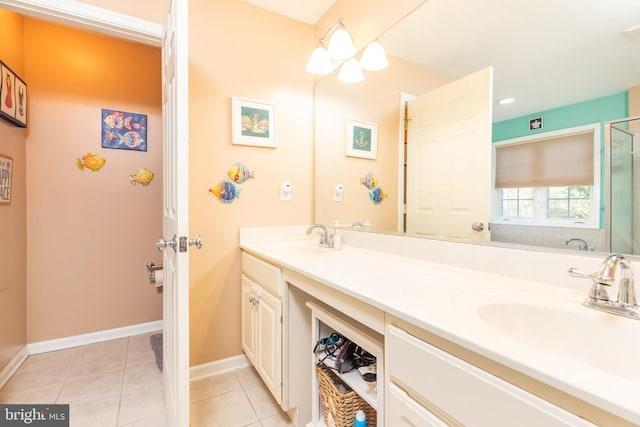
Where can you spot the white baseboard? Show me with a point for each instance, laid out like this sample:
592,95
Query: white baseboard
218,367
93,337
13,365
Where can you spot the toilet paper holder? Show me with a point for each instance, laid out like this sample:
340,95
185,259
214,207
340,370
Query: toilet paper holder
152,268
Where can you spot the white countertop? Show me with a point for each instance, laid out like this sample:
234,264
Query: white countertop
444,300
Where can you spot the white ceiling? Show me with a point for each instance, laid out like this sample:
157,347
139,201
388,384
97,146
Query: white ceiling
545,53
308,11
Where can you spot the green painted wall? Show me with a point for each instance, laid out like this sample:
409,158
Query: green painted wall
601,110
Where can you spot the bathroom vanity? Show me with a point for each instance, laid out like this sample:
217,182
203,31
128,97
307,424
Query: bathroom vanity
464,334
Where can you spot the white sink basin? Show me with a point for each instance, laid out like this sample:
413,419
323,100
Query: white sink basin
559,326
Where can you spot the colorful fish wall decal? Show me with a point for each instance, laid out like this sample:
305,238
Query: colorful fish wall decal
369,181
239,173
226,191
141,176
91,161
377,195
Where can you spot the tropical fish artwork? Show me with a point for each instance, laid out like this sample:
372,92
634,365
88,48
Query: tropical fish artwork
124,130
141,176
239,173
377,195
91,161
370,181
226,191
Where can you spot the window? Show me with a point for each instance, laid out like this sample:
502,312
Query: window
550,180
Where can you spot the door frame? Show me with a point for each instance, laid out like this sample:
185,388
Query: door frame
89,17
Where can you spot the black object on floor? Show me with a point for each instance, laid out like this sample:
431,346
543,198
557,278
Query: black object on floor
156,346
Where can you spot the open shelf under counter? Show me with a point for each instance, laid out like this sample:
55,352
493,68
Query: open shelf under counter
370,340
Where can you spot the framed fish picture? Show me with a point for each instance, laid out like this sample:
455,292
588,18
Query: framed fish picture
124,130
13,97
253,123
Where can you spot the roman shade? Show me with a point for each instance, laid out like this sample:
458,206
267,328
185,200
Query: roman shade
550,162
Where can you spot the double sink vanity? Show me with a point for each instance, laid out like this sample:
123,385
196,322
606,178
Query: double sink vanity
464,334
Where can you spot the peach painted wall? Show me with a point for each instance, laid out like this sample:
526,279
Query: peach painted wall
13,217
89,233
375,100
237,49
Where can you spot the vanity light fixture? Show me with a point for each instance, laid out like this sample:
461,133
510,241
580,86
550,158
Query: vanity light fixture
351,71
320,62
340,49
374,57
340,45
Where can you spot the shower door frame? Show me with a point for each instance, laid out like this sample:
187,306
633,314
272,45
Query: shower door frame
607,172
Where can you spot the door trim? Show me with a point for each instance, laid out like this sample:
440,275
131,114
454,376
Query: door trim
89,17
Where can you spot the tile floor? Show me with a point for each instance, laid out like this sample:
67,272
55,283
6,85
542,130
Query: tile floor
116,383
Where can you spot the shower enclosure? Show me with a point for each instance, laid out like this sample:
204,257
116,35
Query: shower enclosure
623,172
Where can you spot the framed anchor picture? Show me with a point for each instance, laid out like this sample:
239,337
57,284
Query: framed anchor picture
13,97
362,139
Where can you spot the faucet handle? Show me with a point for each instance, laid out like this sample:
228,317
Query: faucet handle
597,292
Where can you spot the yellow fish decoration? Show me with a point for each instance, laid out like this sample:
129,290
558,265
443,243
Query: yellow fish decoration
239,173
91,161
141,176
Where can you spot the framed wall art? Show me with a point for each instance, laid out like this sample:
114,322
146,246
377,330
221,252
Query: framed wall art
13,97
6,169
123,130
253,123
361,139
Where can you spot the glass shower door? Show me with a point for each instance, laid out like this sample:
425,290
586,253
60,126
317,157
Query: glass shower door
624,175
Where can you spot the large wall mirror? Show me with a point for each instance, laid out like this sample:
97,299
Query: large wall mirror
570,66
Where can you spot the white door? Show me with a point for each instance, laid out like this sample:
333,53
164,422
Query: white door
449,159
175,103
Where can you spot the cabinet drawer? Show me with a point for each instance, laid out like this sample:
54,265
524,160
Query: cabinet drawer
404,411
464,392
265,274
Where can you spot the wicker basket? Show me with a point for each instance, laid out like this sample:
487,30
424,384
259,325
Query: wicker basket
340,409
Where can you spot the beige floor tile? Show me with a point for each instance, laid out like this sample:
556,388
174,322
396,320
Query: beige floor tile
41,395
279,420
97,413
92,388
213,386
92,361
139,349
247,376
141,403
58,360
262,401
159,420
226,410
142,375
36,378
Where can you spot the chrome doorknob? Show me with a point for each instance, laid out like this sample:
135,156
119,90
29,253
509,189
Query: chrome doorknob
197,242
163,244
477,226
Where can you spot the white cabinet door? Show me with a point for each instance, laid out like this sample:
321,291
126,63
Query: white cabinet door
269,334
249,319
403,411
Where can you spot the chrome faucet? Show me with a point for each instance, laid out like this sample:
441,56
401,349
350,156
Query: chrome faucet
326,240
599,299
581,244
